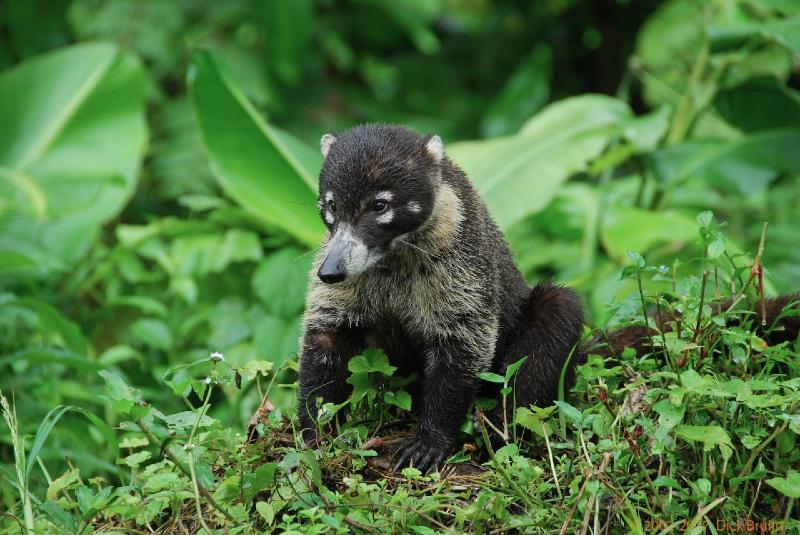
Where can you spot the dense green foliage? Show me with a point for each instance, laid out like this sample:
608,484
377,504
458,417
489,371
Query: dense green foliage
158,169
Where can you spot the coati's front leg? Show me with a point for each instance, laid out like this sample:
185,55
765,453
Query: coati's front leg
450,384
323,371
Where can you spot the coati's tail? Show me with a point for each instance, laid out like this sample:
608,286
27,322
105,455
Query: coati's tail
550,329
782,324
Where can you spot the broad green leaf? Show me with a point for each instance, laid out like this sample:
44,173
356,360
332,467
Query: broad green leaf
645,131
274,337
519,175
266,511
491,377
666,43
570,412
371,360
788,486
532,421
401,399
708,435
745,165
288,32
65,481
760,104
785,32
524,93
59,113
152,332
123,398
269,173
627,228
281,280
134,460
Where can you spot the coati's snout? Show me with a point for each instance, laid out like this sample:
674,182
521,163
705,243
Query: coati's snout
377,187
346,256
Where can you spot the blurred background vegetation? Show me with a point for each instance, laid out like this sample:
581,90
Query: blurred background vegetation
157,163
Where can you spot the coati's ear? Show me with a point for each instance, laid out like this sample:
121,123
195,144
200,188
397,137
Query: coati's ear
325,144
435,148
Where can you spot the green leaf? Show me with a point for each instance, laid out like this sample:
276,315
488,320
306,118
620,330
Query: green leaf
785,32
669,416
519,175
49,422
59,111
525,92
511,370
491,377
708,435
266,511
569,411
135,460
745,165
288,34
281,280
66,481
268,172
50,319
645,131
371,360
532,421
667,41
627,228
152,332
400,399
788,486
759,104
48,355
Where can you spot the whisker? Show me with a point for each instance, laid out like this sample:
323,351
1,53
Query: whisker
308,253
415,247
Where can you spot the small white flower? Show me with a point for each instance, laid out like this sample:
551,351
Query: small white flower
189,446
207,380
217,356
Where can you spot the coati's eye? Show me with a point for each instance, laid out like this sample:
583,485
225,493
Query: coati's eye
332,207
380,205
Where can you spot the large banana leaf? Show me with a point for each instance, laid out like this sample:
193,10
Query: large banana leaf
268,172
746,165
71,142
519,175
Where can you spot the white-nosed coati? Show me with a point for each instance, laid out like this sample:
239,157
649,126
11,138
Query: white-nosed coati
415,265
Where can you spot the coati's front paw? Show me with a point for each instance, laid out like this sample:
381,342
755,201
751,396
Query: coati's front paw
422,454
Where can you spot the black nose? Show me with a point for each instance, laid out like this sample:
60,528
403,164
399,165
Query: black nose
330,274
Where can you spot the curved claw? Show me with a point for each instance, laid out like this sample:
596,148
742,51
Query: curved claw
423,456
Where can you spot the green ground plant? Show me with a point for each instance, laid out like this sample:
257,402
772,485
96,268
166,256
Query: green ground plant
158,170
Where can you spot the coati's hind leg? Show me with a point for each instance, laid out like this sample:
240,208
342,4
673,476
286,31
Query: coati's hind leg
548,333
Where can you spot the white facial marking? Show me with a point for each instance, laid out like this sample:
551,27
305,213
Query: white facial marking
328,196
435,148
329,219
414,207
384,196
385,217
356,256
325,144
